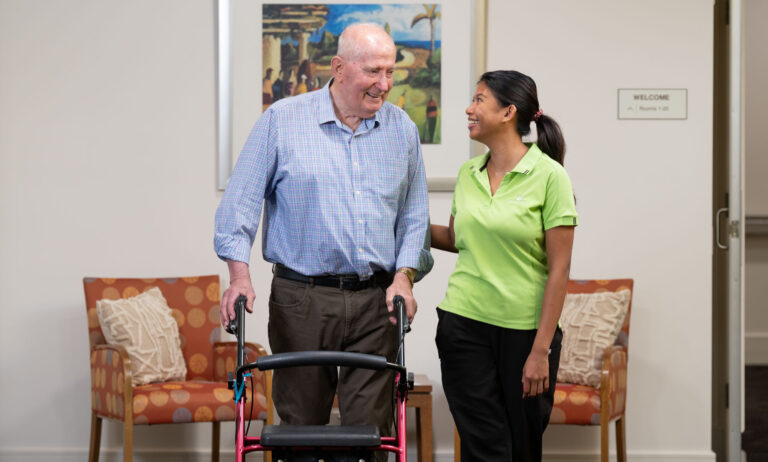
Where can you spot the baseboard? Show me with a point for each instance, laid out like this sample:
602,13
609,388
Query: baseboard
116,455
632,456
594,456
756,349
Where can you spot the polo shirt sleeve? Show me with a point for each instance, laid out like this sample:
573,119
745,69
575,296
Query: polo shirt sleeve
559,204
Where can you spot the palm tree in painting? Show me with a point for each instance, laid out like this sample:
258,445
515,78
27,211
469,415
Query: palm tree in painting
430,15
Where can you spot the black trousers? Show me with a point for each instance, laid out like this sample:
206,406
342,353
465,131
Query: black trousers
482,370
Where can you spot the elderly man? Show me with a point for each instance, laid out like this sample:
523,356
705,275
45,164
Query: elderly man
341,176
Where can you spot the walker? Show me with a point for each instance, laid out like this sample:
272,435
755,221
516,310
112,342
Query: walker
321,443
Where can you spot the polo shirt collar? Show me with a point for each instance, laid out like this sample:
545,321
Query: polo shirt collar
529,160
325,112
526,164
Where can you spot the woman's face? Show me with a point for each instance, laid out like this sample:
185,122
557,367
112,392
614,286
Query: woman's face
485,114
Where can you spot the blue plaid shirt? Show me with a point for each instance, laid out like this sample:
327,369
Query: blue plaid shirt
335,201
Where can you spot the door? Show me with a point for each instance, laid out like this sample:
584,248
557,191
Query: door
728,248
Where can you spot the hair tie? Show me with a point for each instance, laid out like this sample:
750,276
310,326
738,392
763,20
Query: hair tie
537,115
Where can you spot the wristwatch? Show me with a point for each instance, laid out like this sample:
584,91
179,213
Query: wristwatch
408,272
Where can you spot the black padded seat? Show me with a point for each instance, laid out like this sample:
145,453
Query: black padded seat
346,436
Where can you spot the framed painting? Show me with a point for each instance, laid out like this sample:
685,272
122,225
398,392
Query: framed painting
271,50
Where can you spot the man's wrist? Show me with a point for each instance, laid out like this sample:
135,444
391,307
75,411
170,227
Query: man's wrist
409,273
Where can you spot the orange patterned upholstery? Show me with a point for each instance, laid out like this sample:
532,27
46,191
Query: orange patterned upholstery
581,405
203,397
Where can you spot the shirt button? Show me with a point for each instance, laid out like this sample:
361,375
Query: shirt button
360,221
359,249
357,192
355,164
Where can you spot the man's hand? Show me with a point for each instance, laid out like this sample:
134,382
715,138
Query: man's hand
536,373
239,284
401,285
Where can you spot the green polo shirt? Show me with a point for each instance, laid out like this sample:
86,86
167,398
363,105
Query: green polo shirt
501,270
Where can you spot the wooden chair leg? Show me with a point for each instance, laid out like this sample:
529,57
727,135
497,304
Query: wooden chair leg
621,440
604,434
128,441
95,446
215,443
419,437
456,445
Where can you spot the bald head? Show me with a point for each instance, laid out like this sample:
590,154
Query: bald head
363,71
359,40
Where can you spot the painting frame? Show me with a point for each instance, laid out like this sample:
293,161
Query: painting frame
234,118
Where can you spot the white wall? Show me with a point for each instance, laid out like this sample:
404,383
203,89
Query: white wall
756,188
107,138
107,167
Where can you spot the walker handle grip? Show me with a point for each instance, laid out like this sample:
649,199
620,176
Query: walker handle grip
401,314
239,310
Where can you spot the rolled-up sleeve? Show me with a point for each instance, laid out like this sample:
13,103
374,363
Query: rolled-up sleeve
238,214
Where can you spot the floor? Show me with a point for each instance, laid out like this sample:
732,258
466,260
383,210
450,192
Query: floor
755,438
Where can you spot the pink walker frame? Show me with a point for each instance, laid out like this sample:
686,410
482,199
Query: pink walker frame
403,382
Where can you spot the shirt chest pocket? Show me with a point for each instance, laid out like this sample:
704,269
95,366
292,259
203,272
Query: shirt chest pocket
383,175
311,165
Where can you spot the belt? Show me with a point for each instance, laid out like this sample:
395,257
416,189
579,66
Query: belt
339,281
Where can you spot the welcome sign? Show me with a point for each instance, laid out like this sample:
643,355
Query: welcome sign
655,103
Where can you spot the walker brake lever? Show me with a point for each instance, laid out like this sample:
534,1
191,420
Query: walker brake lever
239,308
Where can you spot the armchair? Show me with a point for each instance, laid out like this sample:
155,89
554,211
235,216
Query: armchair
583,405
202,397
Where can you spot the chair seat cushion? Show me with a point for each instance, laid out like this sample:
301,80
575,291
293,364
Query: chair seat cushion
191,401
576,404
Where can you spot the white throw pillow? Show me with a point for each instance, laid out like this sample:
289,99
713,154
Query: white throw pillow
590,323
145,327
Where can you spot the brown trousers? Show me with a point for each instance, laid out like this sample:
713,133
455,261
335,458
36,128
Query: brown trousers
305,317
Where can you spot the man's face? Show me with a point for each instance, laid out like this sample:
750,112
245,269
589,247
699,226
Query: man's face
367,80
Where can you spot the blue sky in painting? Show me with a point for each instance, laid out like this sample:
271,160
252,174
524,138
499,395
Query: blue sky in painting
399,17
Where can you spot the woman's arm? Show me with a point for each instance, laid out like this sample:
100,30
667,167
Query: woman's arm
559,243
443,237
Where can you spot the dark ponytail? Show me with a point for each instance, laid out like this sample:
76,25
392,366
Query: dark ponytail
515,88
550,138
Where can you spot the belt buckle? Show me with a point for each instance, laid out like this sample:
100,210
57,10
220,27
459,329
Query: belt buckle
351,283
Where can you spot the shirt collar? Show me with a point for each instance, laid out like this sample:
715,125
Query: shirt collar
325,112
526,164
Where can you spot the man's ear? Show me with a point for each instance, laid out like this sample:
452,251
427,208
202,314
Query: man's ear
337,64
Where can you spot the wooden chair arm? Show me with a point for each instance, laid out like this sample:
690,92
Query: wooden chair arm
613,382
256,347
111,375
226,353
120,362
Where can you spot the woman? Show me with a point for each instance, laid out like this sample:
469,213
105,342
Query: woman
512,224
